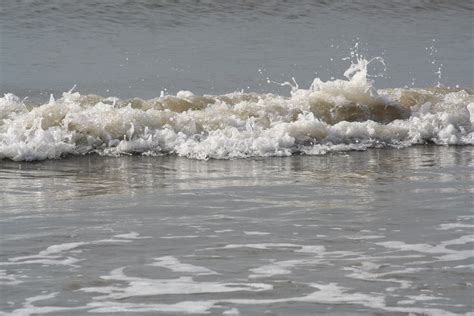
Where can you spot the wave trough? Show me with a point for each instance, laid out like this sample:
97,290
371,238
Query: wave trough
338,115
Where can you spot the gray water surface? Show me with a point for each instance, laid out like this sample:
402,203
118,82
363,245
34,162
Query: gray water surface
364,232
140,48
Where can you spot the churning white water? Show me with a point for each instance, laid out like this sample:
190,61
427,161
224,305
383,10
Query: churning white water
337,115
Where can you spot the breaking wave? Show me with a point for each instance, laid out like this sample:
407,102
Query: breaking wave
338,115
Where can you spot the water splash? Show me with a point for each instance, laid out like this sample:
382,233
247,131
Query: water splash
434,60
329,116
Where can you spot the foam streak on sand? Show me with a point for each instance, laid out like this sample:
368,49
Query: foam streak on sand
337,115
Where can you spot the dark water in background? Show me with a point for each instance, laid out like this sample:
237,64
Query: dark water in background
380,231
138,48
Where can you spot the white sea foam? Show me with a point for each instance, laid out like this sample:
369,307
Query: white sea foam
256,233
319,255
8,279
232,311
324,294
270,270
364,272
29,308
367,237
442,249
132,235
337,115
182,285
60,254
223,231
56,249
273,246
175,265
454,226
186,307
53,255
179,237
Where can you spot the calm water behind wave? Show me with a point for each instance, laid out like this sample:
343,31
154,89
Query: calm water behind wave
138,48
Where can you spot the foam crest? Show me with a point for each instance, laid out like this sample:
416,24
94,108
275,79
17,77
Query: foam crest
337,115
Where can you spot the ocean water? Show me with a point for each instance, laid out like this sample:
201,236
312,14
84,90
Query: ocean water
245,157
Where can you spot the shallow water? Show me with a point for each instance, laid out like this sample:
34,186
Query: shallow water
188,172
364,232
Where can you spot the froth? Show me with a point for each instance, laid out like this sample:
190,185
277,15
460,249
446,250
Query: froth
337,115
